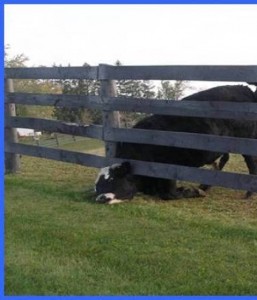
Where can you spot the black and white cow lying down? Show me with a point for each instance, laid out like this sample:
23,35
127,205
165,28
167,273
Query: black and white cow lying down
117,182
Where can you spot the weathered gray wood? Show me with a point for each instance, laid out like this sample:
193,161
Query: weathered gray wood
215,143
205,109
52,73
92,131
214,109
89,160
56,138
12,161
209,177
141,136
57,100
203,73
217,178
110,118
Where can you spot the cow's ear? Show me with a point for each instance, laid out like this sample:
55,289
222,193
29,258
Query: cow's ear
123,169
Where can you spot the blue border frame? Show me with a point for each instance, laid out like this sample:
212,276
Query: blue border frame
2,154
2,137
130,2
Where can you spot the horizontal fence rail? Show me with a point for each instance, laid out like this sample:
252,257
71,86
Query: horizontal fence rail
52,73
56,100
91,131
202,73
225,179
106,72
209,177
223,144
202,109
85,159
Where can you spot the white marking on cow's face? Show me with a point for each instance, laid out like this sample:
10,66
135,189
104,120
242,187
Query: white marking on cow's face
105,198
108,198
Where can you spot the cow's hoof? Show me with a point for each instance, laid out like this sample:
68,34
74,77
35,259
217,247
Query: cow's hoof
201,193
204,187
248,195
190,192
115,201
167,197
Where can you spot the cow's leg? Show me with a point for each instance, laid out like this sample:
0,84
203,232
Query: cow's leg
191,192
223,160
168,191
251,162
147,185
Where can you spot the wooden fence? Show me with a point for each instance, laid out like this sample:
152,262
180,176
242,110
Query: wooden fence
110,131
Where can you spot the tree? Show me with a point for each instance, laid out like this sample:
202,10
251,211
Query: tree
29,86
17,61
79,115
172,90
135,89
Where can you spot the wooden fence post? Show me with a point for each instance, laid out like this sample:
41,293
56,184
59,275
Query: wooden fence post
110,118
56,139
12,161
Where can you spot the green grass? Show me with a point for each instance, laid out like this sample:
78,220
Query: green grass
58,241
84,145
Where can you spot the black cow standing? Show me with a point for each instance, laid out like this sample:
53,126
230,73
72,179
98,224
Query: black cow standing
117,183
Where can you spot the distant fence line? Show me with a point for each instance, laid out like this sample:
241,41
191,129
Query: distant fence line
110,131
53,140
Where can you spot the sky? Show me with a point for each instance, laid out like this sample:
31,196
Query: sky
133,34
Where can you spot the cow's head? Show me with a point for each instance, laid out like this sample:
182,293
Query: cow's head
115,184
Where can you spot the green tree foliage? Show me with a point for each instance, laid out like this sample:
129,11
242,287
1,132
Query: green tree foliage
30,86
18,61
173,90
135,89
79,115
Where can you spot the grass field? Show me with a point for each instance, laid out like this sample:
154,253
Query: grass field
58,241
